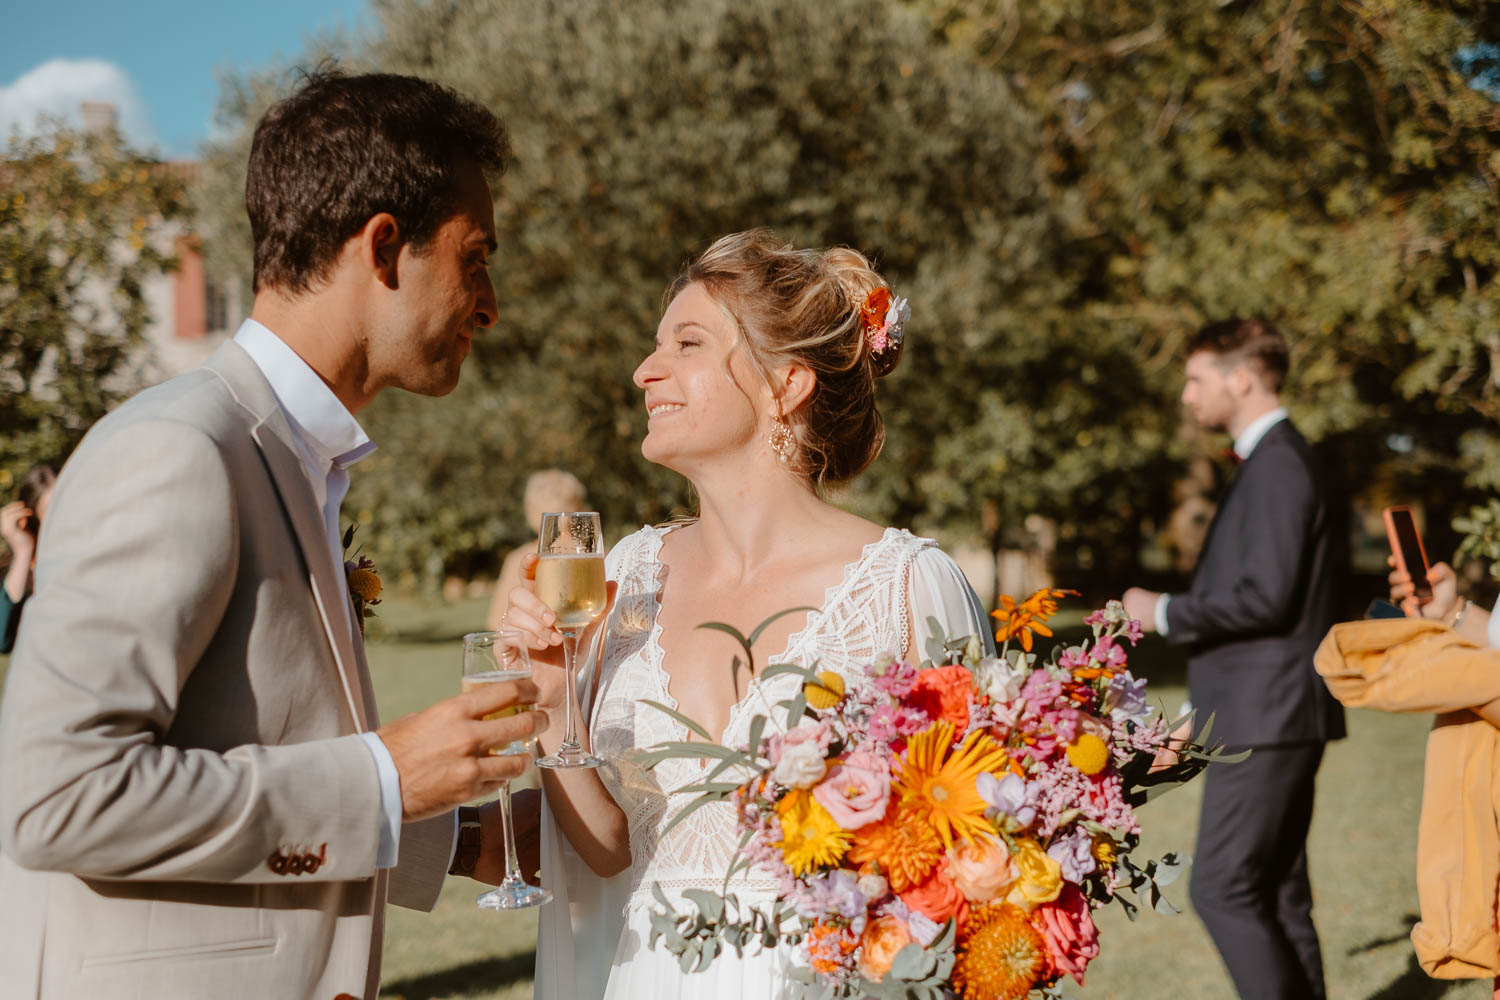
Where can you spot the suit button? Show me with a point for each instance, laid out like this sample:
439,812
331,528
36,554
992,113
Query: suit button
295,864
277,863
346,996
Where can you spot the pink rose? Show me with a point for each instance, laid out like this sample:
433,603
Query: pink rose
981,869
856,790
1068,933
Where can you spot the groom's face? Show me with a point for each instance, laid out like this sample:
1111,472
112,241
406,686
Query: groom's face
1206,392
443,297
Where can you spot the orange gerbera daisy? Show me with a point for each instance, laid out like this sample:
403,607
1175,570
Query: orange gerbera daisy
904,844
940,782
1000,957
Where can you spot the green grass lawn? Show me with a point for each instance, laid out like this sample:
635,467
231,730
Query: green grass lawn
1362,847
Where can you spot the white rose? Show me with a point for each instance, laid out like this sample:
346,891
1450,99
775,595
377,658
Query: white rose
873,887
801,766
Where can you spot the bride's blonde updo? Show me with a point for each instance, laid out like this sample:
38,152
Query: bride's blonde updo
804,306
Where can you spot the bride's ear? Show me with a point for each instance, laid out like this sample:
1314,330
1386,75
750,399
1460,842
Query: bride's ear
794,386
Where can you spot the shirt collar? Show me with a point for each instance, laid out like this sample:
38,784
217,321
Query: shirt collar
1251,435
325,426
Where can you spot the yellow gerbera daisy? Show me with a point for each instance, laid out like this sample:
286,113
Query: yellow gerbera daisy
809,836
940,781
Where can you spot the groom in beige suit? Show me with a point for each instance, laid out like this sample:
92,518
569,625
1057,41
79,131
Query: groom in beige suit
196,796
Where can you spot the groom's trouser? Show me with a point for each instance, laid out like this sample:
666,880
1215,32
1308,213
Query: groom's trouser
1249,875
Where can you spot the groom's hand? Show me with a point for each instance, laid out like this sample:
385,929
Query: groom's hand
526,815
442,753
1140,604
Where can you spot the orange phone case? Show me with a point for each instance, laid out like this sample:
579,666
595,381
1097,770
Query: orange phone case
1418,578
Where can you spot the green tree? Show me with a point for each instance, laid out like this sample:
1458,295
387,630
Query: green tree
82,219
1330,165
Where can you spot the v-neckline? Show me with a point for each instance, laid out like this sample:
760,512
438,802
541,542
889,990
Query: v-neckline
656,655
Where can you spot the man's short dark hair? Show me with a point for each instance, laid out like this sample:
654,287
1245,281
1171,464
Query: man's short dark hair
345,148
1245,341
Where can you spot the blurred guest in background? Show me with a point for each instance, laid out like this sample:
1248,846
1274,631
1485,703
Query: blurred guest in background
1473,622
1261,599
20,521
547,490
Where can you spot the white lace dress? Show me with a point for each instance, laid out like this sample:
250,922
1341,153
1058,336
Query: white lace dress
592,940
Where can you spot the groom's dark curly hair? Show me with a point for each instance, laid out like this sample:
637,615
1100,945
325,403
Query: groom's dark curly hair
345,148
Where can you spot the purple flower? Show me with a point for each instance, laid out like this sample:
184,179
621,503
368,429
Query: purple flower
923,928
1125,698
1074,853
844,895
1006,796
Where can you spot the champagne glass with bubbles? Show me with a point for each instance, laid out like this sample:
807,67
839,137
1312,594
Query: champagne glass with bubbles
570,581
489,658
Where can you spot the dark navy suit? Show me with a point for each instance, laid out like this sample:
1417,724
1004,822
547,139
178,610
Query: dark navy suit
1263,595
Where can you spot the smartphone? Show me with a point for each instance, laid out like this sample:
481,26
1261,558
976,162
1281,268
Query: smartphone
1406,544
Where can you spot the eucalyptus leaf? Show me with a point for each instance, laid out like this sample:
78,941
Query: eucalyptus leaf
712,906
679,717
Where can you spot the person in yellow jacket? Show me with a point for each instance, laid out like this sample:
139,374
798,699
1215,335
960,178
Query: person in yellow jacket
1440,660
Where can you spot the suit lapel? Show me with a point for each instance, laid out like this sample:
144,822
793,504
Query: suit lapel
1275,430
274,436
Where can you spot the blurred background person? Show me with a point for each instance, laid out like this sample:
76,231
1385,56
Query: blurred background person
20,521
548,489
1473,622
1262,597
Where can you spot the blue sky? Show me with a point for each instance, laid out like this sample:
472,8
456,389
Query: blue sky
155,59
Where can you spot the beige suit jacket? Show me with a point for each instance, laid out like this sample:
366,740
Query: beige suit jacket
185,809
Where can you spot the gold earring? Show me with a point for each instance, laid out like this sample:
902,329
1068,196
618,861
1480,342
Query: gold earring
783,441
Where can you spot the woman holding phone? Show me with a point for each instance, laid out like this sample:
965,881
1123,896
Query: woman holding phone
1478,625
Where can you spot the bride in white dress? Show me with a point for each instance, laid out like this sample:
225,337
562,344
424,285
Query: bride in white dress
761,391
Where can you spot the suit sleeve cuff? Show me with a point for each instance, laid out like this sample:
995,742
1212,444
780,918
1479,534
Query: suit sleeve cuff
390,802
1161,613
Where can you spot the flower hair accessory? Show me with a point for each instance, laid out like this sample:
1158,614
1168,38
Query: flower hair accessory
883,318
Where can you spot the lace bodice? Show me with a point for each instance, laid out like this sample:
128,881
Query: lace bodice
867,614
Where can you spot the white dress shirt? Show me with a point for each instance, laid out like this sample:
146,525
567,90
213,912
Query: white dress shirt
328,440
1244,444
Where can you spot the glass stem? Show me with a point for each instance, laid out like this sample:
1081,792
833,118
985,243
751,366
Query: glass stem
570,742
508,831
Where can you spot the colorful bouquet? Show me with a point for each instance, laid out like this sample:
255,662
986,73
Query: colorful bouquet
949,827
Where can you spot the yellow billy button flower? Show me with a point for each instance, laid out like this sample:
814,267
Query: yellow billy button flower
1088,753
825,694
365,583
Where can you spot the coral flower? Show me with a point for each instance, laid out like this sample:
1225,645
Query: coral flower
903,844
882,939
940,781
1001,956
810,837
944,693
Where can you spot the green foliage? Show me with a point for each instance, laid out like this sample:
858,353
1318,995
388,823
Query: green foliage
1480,531
82,221
1064,188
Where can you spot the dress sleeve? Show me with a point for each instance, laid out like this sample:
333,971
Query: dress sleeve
937,589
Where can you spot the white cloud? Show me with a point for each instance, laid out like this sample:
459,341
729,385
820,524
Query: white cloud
59,86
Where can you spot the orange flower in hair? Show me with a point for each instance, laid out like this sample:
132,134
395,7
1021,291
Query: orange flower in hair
877,304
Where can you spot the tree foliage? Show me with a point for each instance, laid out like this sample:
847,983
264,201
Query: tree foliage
1064,188
81,230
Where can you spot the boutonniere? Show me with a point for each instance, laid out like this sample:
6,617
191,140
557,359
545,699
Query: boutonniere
363,579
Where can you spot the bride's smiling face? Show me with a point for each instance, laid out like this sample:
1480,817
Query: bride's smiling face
704,397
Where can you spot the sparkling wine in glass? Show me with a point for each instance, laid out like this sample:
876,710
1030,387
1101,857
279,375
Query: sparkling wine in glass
570,581
489,658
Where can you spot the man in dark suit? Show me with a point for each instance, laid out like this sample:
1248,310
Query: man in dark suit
1262,597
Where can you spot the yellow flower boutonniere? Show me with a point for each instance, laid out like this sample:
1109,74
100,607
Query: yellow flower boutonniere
363,580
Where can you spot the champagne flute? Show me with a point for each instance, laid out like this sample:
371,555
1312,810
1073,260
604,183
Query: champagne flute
570,581
491,657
